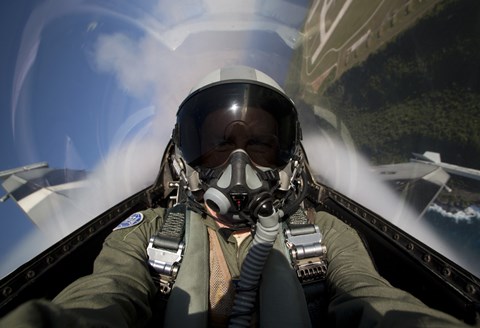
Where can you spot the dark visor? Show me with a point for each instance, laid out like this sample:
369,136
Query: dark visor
213,122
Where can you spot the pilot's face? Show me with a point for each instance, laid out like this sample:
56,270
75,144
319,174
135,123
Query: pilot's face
253,130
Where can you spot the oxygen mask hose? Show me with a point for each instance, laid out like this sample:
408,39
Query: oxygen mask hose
266,233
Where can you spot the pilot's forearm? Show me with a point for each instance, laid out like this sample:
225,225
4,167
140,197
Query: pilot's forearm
120,285
359,295
117,294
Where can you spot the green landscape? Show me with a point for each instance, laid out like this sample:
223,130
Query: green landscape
419,92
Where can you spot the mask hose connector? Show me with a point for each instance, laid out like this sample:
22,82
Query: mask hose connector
265,235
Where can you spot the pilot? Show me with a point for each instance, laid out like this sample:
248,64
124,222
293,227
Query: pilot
242,246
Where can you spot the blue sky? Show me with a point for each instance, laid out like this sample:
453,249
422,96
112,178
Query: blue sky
13,16
57,105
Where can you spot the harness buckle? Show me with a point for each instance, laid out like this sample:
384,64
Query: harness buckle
165,262
307,253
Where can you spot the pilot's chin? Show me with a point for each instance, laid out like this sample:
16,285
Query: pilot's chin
231,221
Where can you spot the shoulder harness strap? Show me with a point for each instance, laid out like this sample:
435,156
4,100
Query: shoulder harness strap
308,257
165,248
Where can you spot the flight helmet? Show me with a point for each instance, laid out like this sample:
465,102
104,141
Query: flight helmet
237,140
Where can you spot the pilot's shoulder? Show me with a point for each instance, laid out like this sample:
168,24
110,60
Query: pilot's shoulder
147,221
327,220
330,224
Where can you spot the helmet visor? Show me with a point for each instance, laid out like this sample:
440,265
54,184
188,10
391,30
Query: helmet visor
213,122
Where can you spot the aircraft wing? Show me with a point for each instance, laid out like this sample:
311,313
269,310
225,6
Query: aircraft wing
418,183
46,195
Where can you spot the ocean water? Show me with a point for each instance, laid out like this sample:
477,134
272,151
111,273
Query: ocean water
460,229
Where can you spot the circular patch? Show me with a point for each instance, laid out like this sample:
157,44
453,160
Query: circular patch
131,221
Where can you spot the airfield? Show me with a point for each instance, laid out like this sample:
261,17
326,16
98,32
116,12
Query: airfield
340,34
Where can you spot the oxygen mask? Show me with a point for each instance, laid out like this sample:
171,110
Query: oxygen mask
239,190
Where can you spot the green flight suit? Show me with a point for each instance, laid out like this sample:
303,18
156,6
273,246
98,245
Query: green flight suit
120,291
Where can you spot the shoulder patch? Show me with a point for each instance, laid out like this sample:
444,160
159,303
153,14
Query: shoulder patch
131,221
